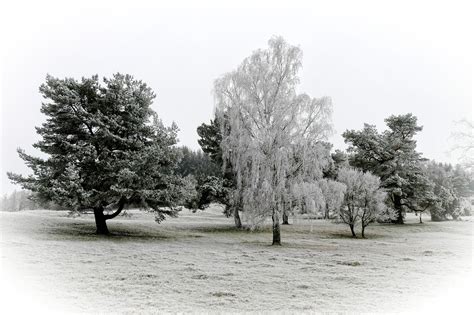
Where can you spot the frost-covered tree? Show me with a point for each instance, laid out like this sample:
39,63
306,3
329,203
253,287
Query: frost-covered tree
363,199
339,159
333,193
272,138
319,190
373,204
17,201
392,156
4,203
199,168
105,148
463,137
349,211
451,187
24,200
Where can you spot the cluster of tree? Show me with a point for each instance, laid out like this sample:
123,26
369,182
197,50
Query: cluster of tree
452,186
264,155
272,139
270,143
196,164
392,156
18,200
25,200
412,183
200,168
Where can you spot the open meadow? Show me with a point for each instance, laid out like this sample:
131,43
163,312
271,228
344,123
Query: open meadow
200,263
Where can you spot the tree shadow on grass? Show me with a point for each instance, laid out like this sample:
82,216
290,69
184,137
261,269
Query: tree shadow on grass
225,229
341,235
87,232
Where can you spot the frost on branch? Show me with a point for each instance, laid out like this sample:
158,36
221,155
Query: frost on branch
271,134
363,199
333,193
106,148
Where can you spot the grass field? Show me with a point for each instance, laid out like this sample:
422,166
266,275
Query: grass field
200,263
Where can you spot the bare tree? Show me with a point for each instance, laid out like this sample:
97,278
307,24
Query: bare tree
272,135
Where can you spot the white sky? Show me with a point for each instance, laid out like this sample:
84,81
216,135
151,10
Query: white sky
374,58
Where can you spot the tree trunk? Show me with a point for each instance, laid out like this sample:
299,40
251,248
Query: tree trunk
363,230
352,230
276,229
101,218
100,221
326,212
420,218
397,202
238,222
285,218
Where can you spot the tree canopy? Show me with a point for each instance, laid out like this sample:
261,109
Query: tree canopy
210,139
363,199
206,174
105,148
451,187
271,135
392,156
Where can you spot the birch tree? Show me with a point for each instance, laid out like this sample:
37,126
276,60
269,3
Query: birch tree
463,137
272,137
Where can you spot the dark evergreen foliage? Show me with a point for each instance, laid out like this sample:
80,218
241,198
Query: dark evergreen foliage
197,164
105,148
206,175
223,185
392,156
210,138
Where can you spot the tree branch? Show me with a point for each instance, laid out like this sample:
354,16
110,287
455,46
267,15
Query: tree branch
121,205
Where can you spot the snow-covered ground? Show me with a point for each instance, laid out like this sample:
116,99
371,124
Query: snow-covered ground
200,263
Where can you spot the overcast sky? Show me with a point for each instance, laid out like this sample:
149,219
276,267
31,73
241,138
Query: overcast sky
373,58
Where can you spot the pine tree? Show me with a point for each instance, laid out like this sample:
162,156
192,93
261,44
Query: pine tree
105,148
210,138
219,188
392,156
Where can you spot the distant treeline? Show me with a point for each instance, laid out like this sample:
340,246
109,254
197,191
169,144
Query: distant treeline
24,200
451,184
